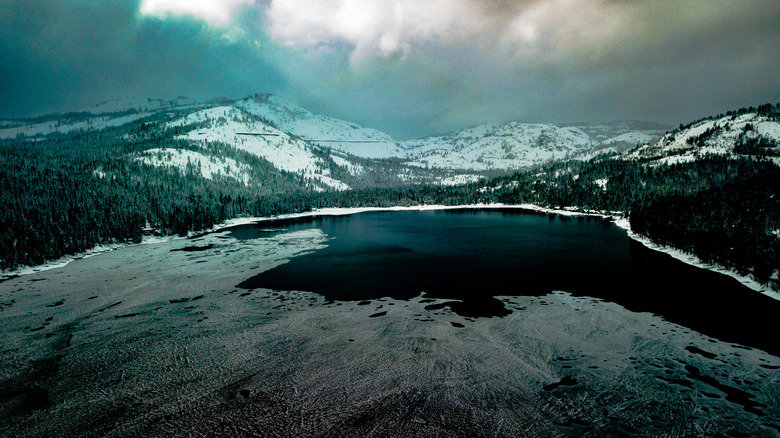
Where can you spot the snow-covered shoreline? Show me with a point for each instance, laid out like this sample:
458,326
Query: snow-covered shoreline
63,261
338,211
691,259
100,249
616,217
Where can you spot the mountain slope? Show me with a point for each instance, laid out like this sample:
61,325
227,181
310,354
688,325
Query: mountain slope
297,140
510,146
746,132
487,147
322,130
138,104
523,145
230,125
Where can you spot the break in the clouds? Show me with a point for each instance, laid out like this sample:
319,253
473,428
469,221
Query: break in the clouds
409,67
212,11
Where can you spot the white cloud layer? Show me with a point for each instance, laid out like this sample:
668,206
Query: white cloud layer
372,27
212,11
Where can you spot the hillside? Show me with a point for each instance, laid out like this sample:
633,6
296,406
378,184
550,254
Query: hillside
327,153
297,140
522,145
77,180
747,132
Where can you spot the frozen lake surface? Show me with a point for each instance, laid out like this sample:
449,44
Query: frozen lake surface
403,323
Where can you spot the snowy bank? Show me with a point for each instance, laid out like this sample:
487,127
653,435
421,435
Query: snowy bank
97,250
100,249
691,259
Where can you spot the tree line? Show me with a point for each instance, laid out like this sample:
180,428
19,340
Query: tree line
68,194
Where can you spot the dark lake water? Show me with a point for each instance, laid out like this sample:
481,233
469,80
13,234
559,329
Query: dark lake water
473,256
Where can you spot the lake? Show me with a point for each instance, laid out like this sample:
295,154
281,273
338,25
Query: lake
475,255
406,323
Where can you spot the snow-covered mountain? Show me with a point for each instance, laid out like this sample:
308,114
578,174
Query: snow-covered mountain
66,124
621,135
234,126
330,132
207,166
522,145
319,147
138,104
510,146
486,147
748,132
108,114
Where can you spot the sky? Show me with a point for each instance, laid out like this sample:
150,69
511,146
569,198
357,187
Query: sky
408,67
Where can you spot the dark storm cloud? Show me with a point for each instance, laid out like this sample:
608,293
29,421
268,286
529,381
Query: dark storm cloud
409,67
71,54
554,60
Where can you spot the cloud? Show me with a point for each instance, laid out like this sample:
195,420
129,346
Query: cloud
409,67
64,55
375,27
212,11
429,66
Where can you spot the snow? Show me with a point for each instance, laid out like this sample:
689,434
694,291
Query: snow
515,145
298,132
209,166
328,130
674,148
95,251
695,261
225,123
332,183
678,159
768,129
66,126
602,182
492,146
489,146
459,180
353,169
637,137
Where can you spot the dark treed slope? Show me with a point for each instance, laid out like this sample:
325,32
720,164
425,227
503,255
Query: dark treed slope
723,210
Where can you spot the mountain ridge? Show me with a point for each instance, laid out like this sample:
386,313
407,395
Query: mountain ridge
442,151
332,153
82,181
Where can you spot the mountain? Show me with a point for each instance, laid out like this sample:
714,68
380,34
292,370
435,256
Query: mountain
329,132
748,132
138,104
523,145
327,152
487,147
108,114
